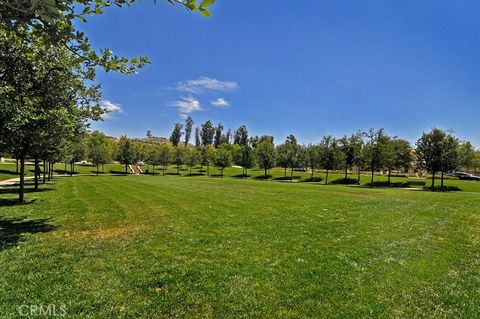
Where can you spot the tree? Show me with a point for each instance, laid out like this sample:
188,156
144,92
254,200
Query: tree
153,156
437,151
98,149
126,152
218,136
188,129
198,140
351,148
179,157
376,151
331,156
227,137
207,133
402,154
77,152
241,136
211,153
165,155
293,150
265,154
44,98
176,134
467,156
282,155
451,158
223,158
192,157
313,157
244,157
476,161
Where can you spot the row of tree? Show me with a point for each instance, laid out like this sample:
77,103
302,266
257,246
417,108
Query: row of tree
436,152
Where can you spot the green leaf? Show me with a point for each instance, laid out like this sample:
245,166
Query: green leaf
206,3
205,13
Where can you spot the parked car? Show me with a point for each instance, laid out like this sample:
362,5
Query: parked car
465,176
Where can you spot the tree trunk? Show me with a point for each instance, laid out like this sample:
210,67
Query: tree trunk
44,172
441,187
433,181
37,173
65,168
126,167
265,173
221,172
358,177
326,178
208,169
49,171
371,180
389,175
246,172
21,189
311,177
346,172
52,169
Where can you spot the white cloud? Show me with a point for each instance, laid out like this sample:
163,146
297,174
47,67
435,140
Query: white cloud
220,102
205,83
186,105
111,108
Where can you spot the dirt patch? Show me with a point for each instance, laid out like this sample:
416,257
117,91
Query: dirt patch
104,233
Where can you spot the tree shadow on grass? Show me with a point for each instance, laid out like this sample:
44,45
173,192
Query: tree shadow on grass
241,176
4,171
14,190
5,202
262,177
194,174
117,172
13,228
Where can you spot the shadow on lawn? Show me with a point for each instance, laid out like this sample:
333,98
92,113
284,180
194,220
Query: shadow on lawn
13,228
14,190
4,171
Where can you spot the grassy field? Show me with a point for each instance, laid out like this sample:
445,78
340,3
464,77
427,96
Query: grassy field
197,247
7,171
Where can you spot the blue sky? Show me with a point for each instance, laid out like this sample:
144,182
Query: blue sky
304,67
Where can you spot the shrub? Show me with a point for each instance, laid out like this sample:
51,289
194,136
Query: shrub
448,188
345,181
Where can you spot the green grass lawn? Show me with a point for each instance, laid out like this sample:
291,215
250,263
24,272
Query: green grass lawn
196,247
7,171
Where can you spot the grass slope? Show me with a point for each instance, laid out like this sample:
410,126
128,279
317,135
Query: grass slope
162,247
